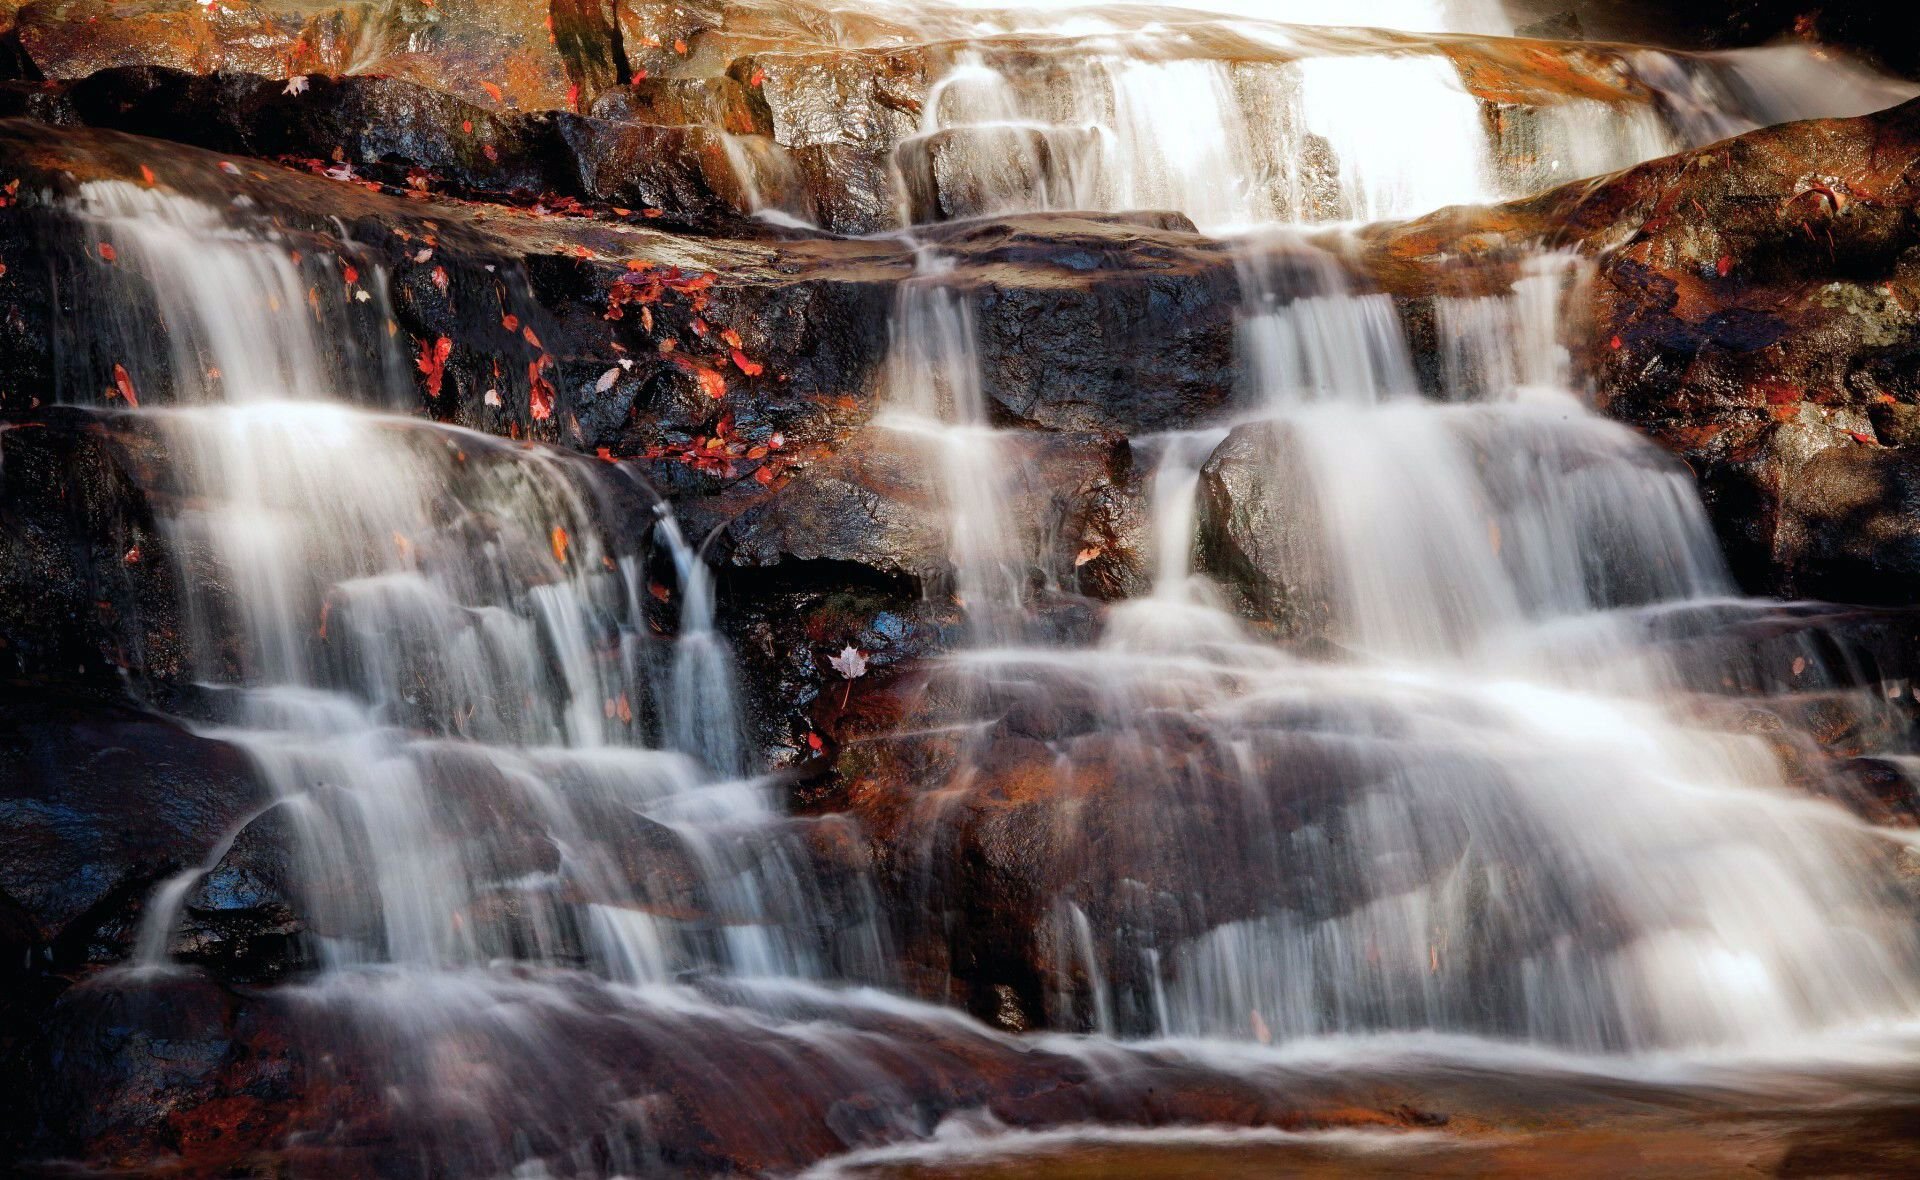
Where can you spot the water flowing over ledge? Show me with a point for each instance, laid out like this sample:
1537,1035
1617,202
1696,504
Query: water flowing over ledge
1364,728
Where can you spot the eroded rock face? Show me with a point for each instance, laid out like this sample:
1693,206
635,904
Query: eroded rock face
103,803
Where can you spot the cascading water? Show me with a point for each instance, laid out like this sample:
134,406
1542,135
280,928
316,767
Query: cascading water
1424,726
431,645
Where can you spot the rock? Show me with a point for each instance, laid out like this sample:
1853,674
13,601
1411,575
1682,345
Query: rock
244,919
1121,323
88,590
352,1081
1752,313
461,48
965,172
685,170
387,127
1256,532
100,804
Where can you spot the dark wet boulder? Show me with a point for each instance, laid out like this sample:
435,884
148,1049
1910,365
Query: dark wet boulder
244,918
1255,533
685,171
89,581
1090,322
100,805
387,127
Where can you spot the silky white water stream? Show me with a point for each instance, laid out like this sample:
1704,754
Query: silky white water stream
1501,805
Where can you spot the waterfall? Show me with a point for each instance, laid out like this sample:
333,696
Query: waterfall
1423,714
430,643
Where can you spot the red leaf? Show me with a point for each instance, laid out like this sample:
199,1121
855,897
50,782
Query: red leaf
350,275
510,322
132,556
573,98
763,475
1614,343
750,368
433,362
123,384
1724,267
711,382
107,252
814,742
759,77
540,391
146,174
466,125
527,333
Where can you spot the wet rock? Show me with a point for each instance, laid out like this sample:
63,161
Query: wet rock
1122,323
505,45
854,550
1755,308
387,127
685,170
169,1066
101,803
353,1080
1067,804
244,920
88,596
1255,532
974,171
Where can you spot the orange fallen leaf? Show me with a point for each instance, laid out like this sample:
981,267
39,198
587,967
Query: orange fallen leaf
123,385
146,174
750,368
559,540
493,92
433,362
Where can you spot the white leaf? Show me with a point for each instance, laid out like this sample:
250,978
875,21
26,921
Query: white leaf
626,362
422,255
296,85
849,663
362,295
607,379
491,397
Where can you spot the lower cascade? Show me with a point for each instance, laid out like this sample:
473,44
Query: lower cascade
1140,626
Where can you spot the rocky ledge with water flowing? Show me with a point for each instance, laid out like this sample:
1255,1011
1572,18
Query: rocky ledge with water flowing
734,589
